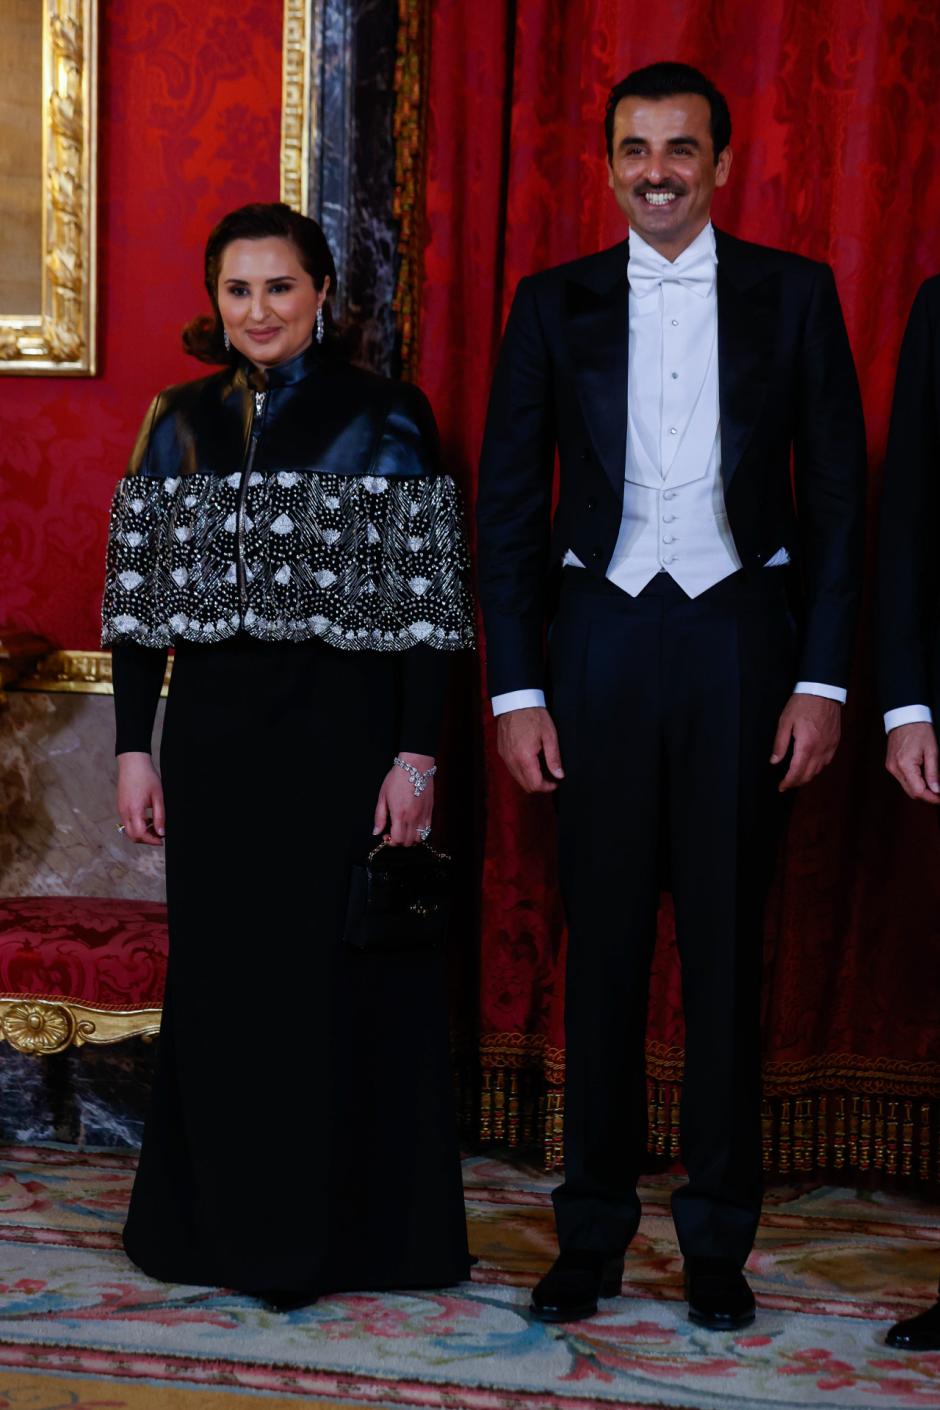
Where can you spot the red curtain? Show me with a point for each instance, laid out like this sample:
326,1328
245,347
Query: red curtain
836,106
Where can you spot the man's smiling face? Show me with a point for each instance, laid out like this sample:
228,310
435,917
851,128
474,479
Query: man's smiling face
663,170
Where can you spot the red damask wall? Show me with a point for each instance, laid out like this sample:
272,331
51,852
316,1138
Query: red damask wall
190,101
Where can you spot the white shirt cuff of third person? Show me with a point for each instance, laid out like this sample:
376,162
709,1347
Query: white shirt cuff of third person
518,700
908,715
828,692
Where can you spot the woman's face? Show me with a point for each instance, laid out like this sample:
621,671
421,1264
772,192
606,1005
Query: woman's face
267,300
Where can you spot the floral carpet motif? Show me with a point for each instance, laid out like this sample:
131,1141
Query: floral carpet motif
81,1328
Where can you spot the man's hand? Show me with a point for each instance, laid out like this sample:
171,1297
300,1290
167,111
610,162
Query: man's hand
815,726
911,758
524,738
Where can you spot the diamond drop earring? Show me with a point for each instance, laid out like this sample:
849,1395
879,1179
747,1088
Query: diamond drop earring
320,324
226,340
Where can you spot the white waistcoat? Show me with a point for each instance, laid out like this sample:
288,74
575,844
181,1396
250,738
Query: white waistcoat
674,515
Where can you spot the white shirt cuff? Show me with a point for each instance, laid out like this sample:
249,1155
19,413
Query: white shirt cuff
908,715
828,692
518,700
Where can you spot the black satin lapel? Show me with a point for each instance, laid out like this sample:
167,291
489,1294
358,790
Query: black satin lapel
746,321
598,331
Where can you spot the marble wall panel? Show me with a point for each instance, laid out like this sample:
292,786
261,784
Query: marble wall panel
353,175
86,1096
58,832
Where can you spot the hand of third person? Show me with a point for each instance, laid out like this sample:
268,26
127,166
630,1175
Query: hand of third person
814,724
526,738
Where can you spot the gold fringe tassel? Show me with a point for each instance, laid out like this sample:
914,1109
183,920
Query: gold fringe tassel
833,1135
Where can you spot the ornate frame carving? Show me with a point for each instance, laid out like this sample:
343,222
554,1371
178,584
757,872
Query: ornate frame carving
76,672
46,1026
60,337
301,30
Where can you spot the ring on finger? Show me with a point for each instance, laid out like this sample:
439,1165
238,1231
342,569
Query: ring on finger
121,827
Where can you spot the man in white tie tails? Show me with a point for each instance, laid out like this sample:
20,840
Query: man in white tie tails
698,653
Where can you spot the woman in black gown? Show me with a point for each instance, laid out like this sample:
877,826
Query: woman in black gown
284,526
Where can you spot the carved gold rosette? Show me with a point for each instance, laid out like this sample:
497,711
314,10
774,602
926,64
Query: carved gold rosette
43,1027
59,337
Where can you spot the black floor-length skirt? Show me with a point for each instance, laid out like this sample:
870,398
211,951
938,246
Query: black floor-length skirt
301,1135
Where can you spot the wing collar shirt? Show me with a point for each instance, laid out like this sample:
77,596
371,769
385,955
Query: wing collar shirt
674,518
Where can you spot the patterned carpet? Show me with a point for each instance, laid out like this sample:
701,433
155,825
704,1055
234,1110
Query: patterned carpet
80,1328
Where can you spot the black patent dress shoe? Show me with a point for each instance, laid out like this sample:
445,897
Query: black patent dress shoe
920,1333
284,1301
571,1287
718,1295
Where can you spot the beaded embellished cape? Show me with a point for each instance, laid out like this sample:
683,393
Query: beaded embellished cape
310,507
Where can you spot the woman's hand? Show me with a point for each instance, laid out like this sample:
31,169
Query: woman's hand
398,813
139,790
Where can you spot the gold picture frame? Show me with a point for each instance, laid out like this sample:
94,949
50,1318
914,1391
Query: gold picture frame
58,336
300,55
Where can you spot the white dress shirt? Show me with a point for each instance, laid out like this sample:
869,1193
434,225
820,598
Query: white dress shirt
674,518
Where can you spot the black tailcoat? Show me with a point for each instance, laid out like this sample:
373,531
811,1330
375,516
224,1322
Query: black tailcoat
666,706
788,396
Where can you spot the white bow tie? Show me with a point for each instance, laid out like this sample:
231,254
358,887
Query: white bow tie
696,273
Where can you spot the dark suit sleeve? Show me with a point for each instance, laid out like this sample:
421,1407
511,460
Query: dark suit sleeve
907,585
830,483
515,500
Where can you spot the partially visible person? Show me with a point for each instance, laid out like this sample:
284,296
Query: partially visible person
285,526
908,607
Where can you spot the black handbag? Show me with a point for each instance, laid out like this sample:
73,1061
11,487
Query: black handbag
399,899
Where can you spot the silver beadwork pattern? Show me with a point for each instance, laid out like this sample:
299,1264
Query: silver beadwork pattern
364,562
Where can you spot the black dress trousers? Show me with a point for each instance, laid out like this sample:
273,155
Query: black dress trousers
666,708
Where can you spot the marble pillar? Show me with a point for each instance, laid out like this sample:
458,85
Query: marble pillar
353,167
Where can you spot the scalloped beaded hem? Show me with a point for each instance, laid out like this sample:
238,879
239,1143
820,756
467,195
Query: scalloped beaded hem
346,639
363,563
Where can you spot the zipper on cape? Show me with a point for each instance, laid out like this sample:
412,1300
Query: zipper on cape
240,569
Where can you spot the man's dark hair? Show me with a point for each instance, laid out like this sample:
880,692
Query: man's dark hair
668,81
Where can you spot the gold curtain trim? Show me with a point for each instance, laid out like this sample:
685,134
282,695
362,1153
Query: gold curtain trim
827,1135
665,1063
409,127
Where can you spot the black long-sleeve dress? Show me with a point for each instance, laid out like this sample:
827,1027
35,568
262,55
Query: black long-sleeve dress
299,549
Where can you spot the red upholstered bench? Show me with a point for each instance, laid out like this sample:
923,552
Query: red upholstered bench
79,969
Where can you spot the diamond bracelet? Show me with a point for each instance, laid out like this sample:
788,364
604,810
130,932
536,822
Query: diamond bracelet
419,779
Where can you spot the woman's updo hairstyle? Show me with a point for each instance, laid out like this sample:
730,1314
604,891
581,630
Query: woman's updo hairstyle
203,336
